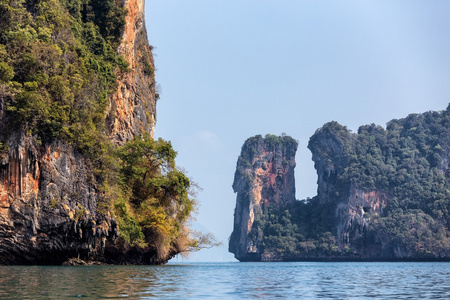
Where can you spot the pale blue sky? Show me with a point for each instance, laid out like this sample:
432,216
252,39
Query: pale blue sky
229,70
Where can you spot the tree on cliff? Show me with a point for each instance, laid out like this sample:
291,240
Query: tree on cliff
158,197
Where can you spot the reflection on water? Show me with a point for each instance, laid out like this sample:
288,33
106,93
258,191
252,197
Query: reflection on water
230,281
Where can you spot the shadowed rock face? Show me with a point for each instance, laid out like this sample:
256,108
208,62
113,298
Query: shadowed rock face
351,203
264,178
50,206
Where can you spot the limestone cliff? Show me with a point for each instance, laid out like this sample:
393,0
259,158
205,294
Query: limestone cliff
49,205
132,108
330,146
264,178
52,206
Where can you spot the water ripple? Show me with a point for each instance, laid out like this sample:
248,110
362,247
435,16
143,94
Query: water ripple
230,281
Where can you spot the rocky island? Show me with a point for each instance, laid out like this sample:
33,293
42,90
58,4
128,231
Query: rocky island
80,174
382,195
264,180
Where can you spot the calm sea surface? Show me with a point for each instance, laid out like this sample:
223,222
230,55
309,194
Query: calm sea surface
307,280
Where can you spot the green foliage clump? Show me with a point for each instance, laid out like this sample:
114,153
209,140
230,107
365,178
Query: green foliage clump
302,229
408,160
270,141
130,231
58,66
157,202
418,233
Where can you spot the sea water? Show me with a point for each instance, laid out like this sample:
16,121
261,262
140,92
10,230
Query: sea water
302,280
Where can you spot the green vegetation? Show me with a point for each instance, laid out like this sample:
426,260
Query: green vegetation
303,229
271,141
408,161
154,200
158,202
58,66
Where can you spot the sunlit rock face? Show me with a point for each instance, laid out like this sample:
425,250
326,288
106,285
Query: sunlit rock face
132,107
264,178
50,204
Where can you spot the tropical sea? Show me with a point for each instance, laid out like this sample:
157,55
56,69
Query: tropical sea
301,280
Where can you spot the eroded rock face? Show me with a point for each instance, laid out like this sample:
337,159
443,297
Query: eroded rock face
353,215
48,205
353,206
264,178
133,106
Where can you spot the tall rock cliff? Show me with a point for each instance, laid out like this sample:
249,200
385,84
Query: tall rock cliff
132,108
382,194
264,179
332,147
52,205
388,187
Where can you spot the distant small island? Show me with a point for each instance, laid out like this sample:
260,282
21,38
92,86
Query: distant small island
382,195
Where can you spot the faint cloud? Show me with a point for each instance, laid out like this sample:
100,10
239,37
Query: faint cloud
206,140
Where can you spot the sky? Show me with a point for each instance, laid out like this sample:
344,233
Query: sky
229,70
